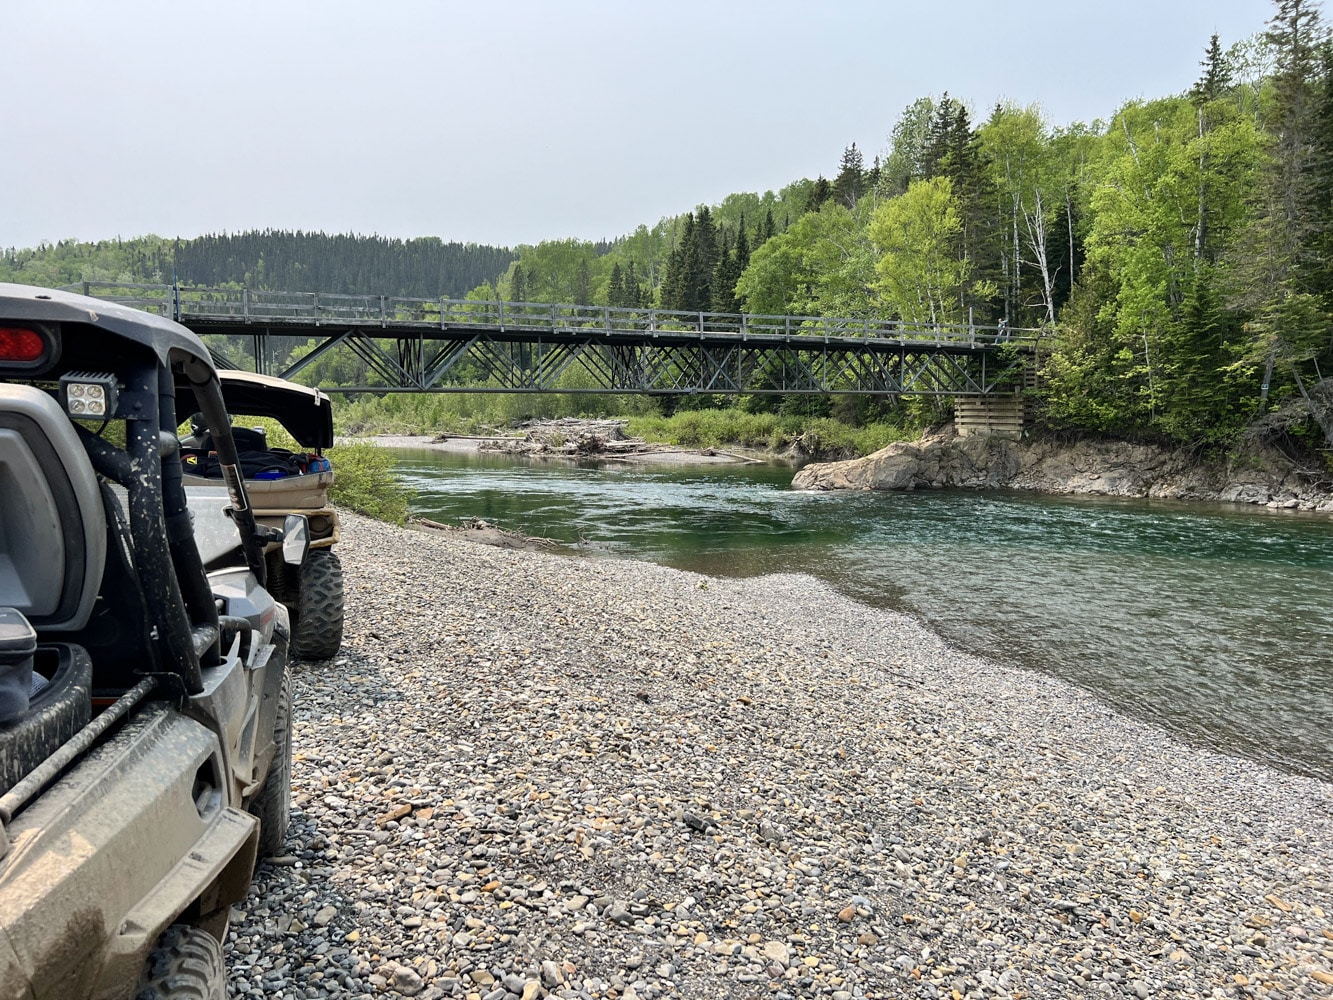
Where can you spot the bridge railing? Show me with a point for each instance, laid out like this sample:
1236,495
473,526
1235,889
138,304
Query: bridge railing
324,308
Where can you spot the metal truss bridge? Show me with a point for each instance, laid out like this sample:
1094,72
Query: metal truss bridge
457,345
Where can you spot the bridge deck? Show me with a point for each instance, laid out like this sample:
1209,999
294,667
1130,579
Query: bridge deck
436,345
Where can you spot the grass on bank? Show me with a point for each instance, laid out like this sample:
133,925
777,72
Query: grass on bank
766,432
723,427
365,481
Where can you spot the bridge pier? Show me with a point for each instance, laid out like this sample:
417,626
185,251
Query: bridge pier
981,415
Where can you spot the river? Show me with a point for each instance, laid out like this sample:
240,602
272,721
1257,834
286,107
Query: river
1212,621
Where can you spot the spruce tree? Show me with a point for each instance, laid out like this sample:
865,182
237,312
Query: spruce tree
767,230
821,192
675,280
850,183
1216,77
1321,187
615,289
637,296
1277,265
700,262
742,250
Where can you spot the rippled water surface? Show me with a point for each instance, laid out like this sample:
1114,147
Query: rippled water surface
1214,622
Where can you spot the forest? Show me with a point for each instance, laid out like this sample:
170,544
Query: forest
1180,252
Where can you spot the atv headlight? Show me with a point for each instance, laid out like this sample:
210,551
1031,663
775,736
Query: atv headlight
89,395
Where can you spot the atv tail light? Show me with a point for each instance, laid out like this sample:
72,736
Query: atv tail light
89,394
21,346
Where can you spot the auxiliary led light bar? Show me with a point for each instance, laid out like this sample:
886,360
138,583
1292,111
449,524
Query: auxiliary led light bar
89,395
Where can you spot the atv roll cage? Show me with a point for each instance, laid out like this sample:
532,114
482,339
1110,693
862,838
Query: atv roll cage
148,357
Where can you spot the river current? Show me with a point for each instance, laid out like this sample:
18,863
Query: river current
1212,621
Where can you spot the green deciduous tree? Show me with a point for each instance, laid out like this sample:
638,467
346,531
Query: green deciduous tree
823,265
920,275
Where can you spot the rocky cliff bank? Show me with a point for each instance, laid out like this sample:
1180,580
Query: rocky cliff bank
1112,468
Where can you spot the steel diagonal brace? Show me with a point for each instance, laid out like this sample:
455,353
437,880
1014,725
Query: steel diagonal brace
800,362
443,361
880,376
385,365
608,370
713,363
962,380
316,353
498,361
657,365
554,360
1018,365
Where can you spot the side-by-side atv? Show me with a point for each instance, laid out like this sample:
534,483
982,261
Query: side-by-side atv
280,482
145,703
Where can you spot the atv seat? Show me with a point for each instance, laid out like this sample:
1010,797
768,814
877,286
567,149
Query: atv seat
52,553
52,526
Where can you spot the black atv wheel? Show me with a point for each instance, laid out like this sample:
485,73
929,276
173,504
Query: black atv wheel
273,806
317,625
187,964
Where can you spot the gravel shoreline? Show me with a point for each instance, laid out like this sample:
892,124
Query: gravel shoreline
537,775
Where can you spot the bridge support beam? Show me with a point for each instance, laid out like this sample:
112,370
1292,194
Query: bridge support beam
981,415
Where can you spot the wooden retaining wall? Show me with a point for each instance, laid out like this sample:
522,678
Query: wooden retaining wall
1002,415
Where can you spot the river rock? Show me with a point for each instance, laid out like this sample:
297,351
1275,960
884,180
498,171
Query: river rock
968,818
942,459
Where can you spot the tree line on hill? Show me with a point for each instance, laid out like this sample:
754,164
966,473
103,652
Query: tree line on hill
271,260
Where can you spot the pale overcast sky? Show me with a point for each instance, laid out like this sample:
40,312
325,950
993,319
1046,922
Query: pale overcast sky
514,122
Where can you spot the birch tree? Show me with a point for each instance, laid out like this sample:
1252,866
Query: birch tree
920,274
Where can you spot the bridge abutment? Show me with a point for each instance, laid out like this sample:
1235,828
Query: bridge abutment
981,415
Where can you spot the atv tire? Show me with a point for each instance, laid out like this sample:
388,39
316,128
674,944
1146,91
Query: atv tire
273,806
187,964
317,626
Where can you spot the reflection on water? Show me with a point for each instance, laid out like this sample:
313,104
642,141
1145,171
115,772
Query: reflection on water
1210,621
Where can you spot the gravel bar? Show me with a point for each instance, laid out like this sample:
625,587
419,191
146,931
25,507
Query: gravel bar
533,775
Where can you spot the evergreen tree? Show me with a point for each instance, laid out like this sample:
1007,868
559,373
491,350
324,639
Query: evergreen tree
907,147
675,281
1296,34
724,277
820,193
1216,79
766,231
615,289
1278,264
637,295
850,183
1320,277
742,250
705,260
518,288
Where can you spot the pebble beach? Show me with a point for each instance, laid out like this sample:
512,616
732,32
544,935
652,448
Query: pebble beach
533,775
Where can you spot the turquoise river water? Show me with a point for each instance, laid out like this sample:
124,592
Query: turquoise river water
1212,621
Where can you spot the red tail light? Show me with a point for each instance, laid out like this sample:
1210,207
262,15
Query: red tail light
21,346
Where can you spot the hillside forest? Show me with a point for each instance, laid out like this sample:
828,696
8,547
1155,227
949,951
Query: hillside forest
1181,252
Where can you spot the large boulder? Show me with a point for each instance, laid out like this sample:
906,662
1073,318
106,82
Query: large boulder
1110,468
939,459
